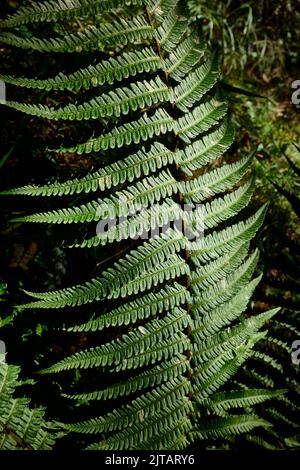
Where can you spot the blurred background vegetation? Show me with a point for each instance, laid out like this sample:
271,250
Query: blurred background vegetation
259,43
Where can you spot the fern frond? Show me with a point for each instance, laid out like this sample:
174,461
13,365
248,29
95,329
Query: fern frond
233,425
289,403
213,296
21,427
214,320
165,398
209,148
196,84
209,377
127,170
173,268
281,417
234,338
223,208
120,31
257,440
279,325
115,103
123,203
143,346
259,378
55,10
186,55
165,372
171,30
150,432
173,437
209,274
149,265
144,224
127,64
161,8
130,133
140,309
219,243
261,356
169,329
224,401
215,181
200,120
280,343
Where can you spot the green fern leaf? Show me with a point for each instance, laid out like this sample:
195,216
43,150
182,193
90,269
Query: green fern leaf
186,55
126,170
165,372
108,71
215,181
115,103
209,148
196,84
93,38
223,427
21,427
54,10
222,402
130,133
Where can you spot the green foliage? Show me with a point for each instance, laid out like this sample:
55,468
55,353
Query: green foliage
92,38
272,365
169,309
62,10
107,71
21,427
127,170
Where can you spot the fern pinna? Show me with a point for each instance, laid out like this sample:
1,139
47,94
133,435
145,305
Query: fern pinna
167,329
